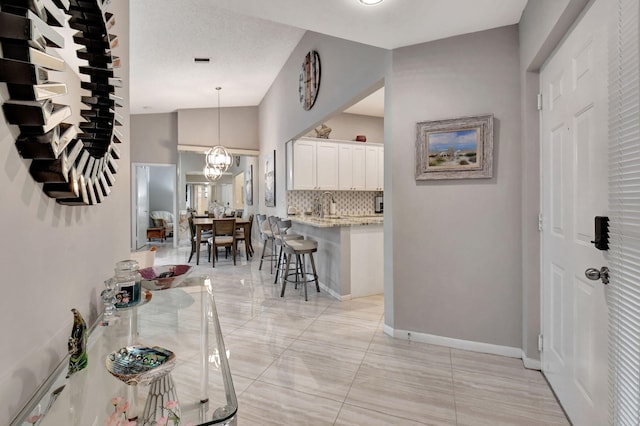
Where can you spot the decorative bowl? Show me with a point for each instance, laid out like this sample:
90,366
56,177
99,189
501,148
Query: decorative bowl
163,277
140,365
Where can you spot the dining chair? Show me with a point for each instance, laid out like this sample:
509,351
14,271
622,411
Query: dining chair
204,236
224,235
246,239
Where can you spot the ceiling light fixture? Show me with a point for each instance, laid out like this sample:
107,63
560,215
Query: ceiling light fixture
217,160
370,2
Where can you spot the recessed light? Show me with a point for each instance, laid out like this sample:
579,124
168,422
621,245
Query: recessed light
370,2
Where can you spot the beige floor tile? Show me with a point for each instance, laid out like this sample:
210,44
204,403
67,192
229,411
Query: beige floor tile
264,404
351,415
415,402
282,324
315,369
428,373
491,364
337,334
530,399
386,345
497,414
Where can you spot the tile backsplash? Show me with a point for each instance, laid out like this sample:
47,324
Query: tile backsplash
347,202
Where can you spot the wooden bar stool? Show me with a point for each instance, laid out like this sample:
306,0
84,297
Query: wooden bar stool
298,248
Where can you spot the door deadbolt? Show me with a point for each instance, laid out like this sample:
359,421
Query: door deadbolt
594,274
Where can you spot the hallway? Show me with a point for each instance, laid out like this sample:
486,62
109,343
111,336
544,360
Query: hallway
325,362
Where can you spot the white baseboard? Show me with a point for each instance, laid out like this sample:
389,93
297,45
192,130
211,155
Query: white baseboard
531,364
466,345
333,293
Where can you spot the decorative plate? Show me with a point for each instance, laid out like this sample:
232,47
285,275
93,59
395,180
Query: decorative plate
140,365
164,276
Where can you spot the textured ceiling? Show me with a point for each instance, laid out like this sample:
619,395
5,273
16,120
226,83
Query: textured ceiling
249,41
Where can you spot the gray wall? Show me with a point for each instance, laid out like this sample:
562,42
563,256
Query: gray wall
350,71
238,129
346,127
54,257
542,26
457,245
154,138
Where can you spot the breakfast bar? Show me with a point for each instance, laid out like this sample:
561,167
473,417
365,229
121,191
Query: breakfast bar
350,261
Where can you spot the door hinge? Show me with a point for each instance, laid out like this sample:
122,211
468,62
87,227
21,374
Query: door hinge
539,101
540,222
540,342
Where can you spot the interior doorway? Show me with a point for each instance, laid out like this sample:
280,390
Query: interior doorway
154,189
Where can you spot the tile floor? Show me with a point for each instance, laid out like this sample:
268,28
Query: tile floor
325,362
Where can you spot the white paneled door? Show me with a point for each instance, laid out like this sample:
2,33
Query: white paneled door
142,204
574,191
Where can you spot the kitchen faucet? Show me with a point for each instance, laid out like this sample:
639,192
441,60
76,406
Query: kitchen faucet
321,198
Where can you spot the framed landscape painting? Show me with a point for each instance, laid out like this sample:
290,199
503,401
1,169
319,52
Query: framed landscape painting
248,185
270,179
459,148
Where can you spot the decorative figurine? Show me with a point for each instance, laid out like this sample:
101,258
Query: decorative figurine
77,344
324,131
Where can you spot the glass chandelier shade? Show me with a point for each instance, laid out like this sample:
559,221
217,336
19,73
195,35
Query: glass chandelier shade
217,159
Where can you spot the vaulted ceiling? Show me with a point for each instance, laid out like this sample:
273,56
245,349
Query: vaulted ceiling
248,41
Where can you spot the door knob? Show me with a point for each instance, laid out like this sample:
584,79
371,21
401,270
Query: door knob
594,274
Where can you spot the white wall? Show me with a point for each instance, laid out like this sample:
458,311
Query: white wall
154,138
54,257
457,244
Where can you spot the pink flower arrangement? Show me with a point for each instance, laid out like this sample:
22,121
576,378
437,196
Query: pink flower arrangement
34,419
119,415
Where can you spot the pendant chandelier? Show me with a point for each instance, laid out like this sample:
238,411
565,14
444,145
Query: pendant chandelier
217,159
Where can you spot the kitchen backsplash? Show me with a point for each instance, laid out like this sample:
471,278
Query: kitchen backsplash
347,202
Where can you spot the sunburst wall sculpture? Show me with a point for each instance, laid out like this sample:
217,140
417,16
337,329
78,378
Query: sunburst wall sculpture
75,162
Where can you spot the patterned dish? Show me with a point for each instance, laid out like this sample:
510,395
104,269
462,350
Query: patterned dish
163,277
140,365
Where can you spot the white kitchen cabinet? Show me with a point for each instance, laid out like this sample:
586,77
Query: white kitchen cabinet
374,174
327,165
351,167
301,165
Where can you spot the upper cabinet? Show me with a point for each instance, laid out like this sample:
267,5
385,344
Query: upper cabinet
374,175
325,164
351,170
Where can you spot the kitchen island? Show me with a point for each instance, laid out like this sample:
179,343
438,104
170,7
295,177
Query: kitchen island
349,261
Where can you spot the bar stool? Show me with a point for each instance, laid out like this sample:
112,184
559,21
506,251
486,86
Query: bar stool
280,232
267,238
299,248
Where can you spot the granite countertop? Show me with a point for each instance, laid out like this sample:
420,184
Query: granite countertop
342,220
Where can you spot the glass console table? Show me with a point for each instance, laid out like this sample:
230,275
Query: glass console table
182,319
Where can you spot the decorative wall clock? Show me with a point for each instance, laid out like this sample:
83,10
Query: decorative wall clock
76,162
309,80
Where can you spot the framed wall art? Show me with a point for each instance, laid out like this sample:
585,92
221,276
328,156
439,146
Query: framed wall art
270,179
248,185
459,148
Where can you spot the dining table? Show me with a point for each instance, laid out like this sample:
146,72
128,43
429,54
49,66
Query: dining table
205,223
